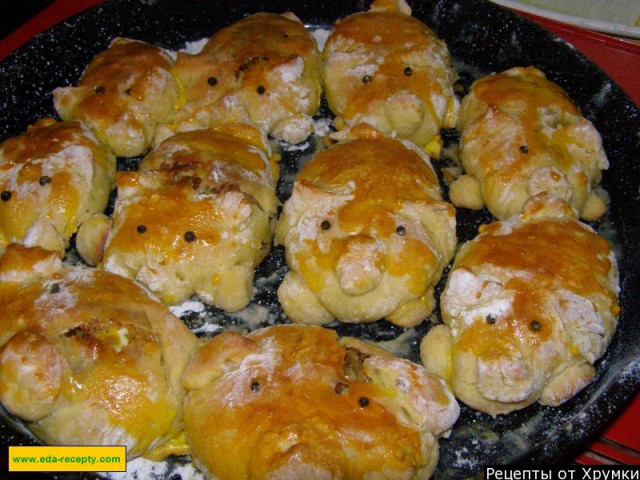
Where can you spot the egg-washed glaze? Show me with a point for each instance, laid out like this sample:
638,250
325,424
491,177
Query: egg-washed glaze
529,306
87,357
523,136
53,177
388,69
366,234
294,401
197,218
124,93
263,69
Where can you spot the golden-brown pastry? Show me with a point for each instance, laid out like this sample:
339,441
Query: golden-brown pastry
529,306
522,136
87,357
53,177
294,401
264,69
386,68
123,94
366,234
197,217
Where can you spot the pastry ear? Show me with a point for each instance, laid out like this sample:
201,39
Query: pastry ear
437,218
131,184
31,375
291,16
66,99
214,358
20,264
400,6
91,238
304,195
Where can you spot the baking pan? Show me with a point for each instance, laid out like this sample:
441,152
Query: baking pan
483,38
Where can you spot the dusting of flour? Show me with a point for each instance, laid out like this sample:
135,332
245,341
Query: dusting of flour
143,469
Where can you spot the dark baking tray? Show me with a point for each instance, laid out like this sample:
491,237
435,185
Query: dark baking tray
483,38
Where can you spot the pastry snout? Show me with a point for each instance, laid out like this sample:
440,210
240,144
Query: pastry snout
360,267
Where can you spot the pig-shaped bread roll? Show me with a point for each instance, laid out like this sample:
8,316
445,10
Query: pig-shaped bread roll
523,136
529,306
53,177
197,218
87,357
385,68
295,401
366,234
263,69
124,93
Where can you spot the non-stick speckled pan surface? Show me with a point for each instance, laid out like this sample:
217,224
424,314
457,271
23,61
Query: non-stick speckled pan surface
483,38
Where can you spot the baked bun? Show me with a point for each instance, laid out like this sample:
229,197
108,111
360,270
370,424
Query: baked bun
87,357
529,306
264,69
53,177
294,401
385,68
366,234
196,218
522,136
123,94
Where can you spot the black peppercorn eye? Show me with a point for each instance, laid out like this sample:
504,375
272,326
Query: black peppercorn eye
408,71
127,91
55,288
141,228
401,231
524,149
535,326
366,79
325,225
99,89
5,196
260,90
212,81
255,386
490,319
44,180
363,401
189,236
